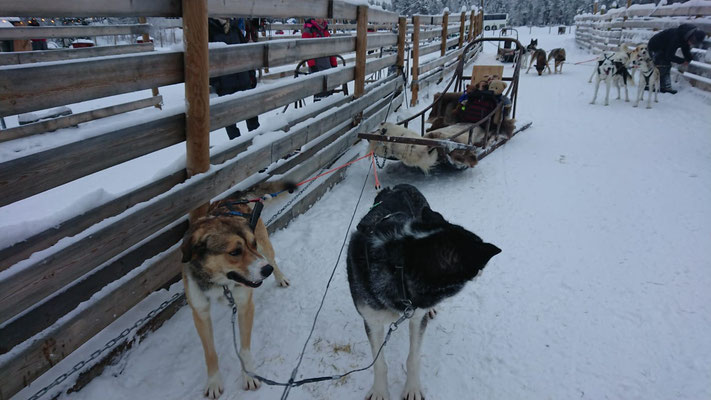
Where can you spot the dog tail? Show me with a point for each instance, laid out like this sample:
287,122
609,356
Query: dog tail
266,190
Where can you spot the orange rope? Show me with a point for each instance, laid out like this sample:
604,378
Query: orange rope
375,171
334,169
583,62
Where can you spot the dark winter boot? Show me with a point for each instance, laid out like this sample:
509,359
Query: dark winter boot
232,131
665,79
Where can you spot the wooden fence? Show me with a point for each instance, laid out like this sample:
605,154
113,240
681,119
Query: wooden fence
40,289
638,23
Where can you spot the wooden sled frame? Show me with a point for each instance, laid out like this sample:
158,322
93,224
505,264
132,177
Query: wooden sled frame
458,79
505,53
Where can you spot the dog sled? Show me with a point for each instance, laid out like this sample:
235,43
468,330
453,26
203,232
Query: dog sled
504,51
455,139
301,69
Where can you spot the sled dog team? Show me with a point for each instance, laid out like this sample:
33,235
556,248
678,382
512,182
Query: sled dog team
613,68
403,258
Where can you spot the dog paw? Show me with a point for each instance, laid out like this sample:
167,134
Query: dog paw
282,281
413,392
249,383
375,394
214,387
432,313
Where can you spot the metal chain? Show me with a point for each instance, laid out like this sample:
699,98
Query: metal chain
111,343
288,203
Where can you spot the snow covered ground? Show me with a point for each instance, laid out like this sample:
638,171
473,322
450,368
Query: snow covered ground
601,291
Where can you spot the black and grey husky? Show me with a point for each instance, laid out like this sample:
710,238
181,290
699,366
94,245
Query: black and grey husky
405,255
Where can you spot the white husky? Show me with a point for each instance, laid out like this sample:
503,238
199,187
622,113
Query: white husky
649,76
412,155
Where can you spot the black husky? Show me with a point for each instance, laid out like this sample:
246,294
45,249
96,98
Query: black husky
404,254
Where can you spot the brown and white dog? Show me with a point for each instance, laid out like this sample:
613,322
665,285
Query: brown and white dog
539,57
558,55
221,250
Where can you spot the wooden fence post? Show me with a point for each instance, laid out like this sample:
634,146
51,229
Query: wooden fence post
361,45
481,19
462,22
415,58
197,92
445,25
401,32
472,25
146,39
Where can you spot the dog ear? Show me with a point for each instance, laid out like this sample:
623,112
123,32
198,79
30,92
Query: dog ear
191,246
484,251
430,216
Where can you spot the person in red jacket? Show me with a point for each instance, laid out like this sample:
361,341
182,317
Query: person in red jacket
317,28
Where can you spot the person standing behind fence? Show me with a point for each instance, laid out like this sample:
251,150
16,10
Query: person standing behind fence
663,46
233,31
315,28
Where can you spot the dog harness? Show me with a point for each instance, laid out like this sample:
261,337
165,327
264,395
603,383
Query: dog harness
253,217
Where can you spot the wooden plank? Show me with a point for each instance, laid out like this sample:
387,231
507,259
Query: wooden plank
75,119
445,24
88,79
241,106
401,38
66,337
439,61
434,143
92,8
46,32
51,310
462,25
415,58
361,46
378,40
430,34
24,88
29,175
324,126
26,57
429,49
285,52
22,250
472,26
380,63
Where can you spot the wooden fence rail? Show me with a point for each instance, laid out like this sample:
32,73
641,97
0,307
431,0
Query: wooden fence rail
46,32
28,57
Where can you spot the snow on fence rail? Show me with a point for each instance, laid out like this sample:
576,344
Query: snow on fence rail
638,23
41,320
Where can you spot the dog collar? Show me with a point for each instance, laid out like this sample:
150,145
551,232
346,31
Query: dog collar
253,217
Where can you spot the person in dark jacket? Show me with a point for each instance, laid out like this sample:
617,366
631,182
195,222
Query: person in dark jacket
663,46
315,28
233,31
